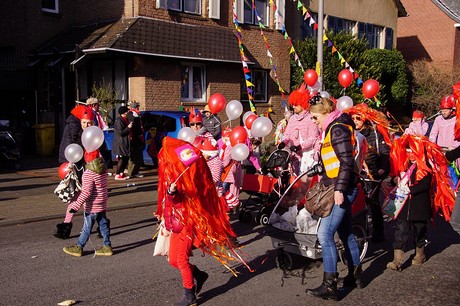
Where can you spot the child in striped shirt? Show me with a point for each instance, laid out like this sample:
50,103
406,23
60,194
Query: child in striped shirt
93,197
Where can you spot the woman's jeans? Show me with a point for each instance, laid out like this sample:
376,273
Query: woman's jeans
340,220
89,220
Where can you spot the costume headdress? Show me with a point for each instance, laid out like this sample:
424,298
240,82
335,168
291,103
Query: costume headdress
202,216
374,117
195,116
79,111
430,159
456,95
300,97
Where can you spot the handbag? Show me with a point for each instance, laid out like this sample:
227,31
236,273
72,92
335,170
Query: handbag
163,241
397,198
320,199
68,187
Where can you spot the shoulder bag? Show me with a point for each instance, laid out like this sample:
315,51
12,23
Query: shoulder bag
320,199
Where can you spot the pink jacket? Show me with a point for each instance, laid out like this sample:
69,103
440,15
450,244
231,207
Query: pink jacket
417,128
442,132
301,130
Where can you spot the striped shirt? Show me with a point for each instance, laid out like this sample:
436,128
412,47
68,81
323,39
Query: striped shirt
93,195
216,167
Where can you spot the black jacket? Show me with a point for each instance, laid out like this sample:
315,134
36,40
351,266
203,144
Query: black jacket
418,206
121,132
212,124
137,131
72,134
378,153
343,148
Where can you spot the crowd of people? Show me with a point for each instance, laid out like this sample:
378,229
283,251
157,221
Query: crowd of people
195,207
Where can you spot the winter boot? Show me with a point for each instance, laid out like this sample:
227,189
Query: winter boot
328,289
63,230
189,298
419,258
353,279
200,278
397,261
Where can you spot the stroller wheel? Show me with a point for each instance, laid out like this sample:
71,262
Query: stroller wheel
361,239
245,216
262,218
283,260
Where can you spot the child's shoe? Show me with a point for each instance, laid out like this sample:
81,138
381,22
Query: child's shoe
106,250
73,250
120,177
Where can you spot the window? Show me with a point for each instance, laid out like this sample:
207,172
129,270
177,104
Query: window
259,90
307,29
7,59
192,83
389,38
214,9
372,33
246,13
338,24
50,6
187,6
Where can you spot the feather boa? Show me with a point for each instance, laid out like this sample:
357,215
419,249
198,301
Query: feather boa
430,159
374,116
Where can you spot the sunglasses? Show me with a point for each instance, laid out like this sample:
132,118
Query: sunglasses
357,118
197,123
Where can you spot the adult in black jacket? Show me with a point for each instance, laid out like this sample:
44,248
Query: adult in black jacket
121,142
137,142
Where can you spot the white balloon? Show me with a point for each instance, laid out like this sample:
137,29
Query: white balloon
92,138
240,152
234,109
246,115
344,103
324,94
186,134
316,87
261,127
73,153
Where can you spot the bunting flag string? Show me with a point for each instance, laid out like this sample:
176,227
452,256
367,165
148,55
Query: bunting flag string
244,60
267,46
343,62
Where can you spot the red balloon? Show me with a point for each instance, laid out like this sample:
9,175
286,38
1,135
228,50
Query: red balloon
370,88
238,135
216,103
310,77
345,78
249,120
63,170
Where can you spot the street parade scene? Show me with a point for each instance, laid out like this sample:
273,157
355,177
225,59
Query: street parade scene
331,178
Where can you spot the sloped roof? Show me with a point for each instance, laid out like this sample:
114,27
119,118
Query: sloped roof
450,7
150,37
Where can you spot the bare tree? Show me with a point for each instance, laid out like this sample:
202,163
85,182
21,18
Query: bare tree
430,84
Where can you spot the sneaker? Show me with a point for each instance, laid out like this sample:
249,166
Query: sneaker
73,250
138,175
120,177
106,250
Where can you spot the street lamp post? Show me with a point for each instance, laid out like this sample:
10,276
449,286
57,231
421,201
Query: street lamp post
320,41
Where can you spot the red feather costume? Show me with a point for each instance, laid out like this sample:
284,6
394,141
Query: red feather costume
429,158
456,94
196,203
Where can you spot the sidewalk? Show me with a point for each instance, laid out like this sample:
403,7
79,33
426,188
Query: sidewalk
27,195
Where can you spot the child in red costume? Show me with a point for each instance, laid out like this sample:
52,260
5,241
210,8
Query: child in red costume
189,206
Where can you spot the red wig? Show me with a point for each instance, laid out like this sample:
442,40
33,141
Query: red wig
300,97
373,116
430,159
202,215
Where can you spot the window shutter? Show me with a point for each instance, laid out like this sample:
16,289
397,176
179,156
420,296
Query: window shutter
161,4
214,9
389,39
279,14
240,10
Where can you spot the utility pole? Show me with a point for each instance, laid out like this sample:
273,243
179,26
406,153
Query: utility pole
320,42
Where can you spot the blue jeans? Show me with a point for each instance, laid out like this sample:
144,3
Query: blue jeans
89,220
340,220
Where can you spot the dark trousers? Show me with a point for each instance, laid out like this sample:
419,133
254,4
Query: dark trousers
376,211
403,233
122,163
136,159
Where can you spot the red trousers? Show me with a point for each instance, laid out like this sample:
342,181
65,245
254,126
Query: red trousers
180,249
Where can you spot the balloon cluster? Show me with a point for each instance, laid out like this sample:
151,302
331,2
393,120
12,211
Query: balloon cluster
253,124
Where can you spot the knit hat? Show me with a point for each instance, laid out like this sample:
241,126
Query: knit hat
195,116
418,115
123,109
208,147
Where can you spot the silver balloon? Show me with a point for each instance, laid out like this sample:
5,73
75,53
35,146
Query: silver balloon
316,87
240,152
73,153
324,94
246,115
344,103
92,138
234,109
186,134
261,127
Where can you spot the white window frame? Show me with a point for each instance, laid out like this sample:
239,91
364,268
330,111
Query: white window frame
214,9
240,12
190,97
55,10
280,14
255,81
164,4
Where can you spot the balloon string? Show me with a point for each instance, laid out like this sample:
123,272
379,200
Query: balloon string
181,174
399,125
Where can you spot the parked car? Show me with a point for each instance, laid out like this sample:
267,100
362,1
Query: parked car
166,123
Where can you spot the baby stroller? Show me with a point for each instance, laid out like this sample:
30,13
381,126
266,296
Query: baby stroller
293,230
265,190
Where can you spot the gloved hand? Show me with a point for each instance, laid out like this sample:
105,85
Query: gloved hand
281,146
295,148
